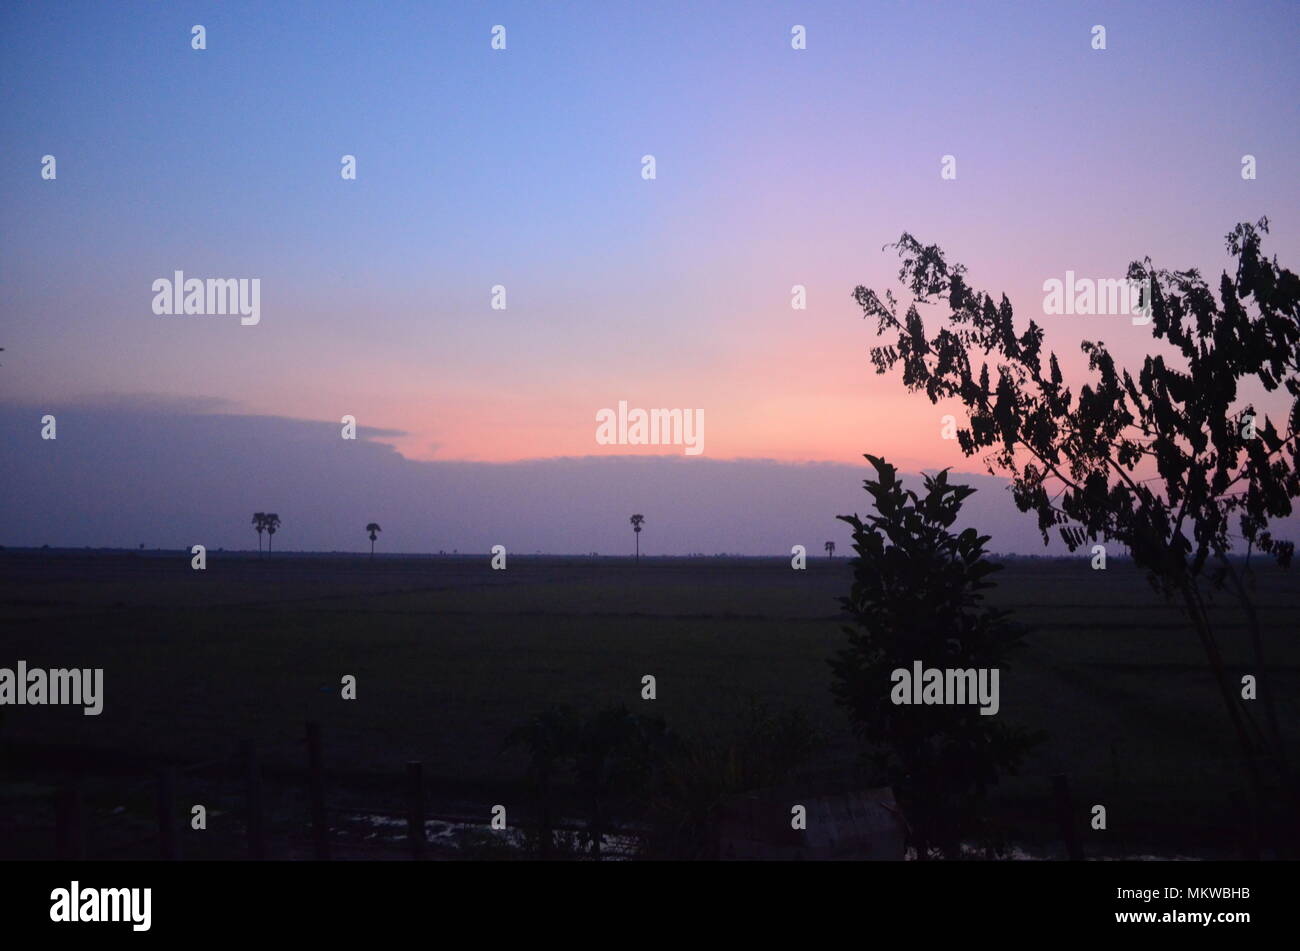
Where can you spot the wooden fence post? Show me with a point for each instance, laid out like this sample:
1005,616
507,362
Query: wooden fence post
546,838
1065,818
168,840
70,824
316,779
253,792
415,812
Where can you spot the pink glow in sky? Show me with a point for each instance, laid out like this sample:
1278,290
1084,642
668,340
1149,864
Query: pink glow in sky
775,167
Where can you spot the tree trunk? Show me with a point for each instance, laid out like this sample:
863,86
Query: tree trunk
1262,675
1276,756
1201,623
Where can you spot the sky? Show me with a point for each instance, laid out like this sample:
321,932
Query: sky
522,168
207,472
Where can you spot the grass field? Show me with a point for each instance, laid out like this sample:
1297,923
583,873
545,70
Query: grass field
450,655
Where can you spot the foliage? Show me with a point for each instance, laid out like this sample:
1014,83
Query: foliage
917,596
1166,461
610,754
695,775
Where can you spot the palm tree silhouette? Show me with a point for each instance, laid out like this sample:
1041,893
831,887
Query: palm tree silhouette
637,522
272,523
259,523
830,549
373,528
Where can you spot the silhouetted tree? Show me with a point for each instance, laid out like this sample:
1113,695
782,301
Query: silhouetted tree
374,530
272,523
917,596
549,738
830,549
1162,461
612,757
694,775
611,753
637,522
259,523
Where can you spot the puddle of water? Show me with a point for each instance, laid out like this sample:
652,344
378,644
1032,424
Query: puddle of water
614,847
448,834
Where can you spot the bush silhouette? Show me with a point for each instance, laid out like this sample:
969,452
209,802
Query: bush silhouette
917,596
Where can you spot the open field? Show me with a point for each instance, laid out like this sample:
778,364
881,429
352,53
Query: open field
450,655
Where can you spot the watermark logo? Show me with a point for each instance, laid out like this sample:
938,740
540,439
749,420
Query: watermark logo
656,427
949,685
212,297
1105,297
103,904
24,686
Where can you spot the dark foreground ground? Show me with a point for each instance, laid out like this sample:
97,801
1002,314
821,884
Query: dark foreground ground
449,656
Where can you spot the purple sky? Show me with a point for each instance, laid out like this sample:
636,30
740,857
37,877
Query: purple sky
523,167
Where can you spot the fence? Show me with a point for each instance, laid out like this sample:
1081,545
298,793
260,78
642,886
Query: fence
71,825
71,815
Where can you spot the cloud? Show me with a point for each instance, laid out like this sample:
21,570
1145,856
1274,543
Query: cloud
152,403
374,432
170,480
